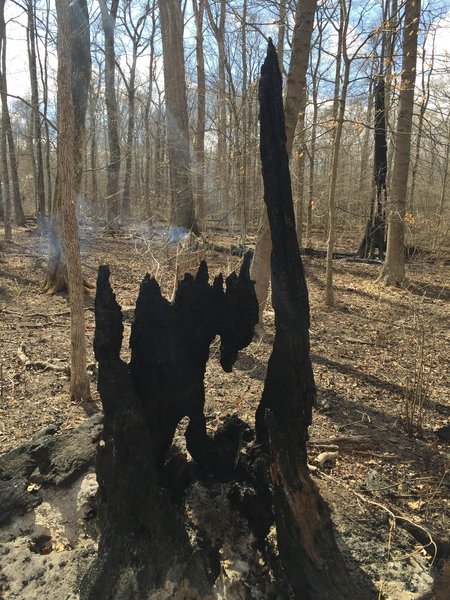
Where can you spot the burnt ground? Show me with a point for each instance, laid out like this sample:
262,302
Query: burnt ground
381,363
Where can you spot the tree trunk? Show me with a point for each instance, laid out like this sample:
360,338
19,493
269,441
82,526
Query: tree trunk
281,32
148,543
72,102
391,14
243,145
312,151
297,95
222,167
130,137
113,170
4,179
199,144
374,237
139,43
4,170
19,216
295,104
394,267
311,560
425,98
43,65
445,176
260,271
149,191
296,90
36,118
94,94
340,99
80,63
177,123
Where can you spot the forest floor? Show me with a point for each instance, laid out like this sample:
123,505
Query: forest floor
381,363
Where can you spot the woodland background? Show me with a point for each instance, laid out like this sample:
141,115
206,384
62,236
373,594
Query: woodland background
224,43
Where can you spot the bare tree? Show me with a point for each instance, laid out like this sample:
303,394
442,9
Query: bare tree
109,16
315,80
150,158
295,105
199,143
177,123
72,16
134,26
80,63
217,24
4,179
339,101
38,171
394,267
427,63
19,215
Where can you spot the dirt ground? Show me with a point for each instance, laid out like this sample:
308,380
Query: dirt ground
381,363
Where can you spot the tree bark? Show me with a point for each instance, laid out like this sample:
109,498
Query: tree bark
311,560
177,123
425,98
43,66
199,143
394,267
312,152
374,237
150,190
295,105
70,104
296,90
148,544
80,64
19,216
36,118
113,170
4,182
135,29
221,157
340,99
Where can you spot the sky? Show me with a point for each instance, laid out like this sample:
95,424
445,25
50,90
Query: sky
17,65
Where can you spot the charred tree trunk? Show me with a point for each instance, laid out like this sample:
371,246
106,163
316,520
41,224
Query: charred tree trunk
144,545
134,511
160,516
375,235
309,555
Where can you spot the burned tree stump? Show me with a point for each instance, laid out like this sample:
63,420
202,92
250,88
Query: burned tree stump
170,348
144,546
308,551
170,529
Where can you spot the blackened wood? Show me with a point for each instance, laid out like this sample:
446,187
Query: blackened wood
170,348
142,541
308,551
375,234
146,543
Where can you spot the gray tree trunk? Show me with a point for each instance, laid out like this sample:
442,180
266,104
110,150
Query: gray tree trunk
68,153
19,216
36,118
177,123
199,143
113,172
394,267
